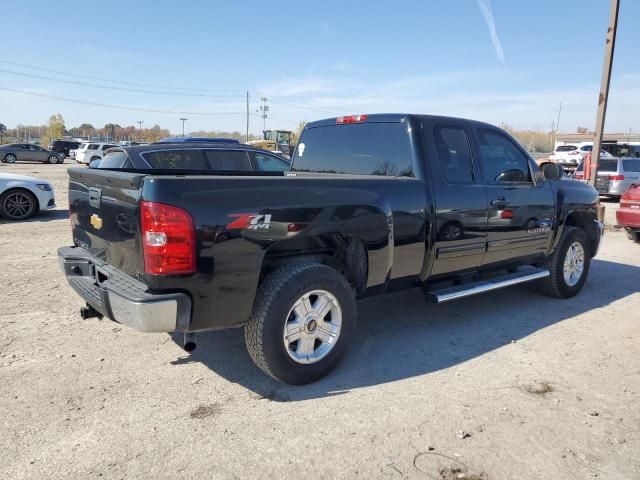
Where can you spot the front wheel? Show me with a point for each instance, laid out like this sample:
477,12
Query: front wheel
9,158
569,264
18,205
53,159
303,318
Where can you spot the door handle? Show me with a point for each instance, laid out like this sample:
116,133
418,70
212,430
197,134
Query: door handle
499,202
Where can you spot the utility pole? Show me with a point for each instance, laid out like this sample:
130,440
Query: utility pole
555,139
603,96
264,108
183,120
246,138
140,122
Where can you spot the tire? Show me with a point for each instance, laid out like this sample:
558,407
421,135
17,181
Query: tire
18,204
53,159
558,284
273,311
633,235
9,158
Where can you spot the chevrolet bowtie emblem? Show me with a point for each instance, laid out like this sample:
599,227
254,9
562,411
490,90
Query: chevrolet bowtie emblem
96,221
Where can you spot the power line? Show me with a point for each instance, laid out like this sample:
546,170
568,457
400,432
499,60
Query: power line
121,82
120,107
301,105
123,89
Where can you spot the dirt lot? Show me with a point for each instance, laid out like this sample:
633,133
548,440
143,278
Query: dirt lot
509,385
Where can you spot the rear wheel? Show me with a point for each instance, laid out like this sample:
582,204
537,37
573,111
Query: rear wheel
18,205
633,235
303,318
9,158
569,264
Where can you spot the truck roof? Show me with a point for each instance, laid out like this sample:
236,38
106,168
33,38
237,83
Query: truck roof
392,118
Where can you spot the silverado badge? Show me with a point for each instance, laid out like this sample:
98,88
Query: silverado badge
96,221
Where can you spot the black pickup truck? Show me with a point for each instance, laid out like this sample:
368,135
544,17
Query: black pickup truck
372,203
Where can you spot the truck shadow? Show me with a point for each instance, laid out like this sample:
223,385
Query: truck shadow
400,335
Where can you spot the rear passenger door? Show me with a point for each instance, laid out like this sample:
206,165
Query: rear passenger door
520,202
460,199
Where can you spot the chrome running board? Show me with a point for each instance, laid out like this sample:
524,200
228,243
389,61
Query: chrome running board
454,293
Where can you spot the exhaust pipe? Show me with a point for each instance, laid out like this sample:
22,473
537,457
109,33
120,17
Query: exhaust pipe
189,343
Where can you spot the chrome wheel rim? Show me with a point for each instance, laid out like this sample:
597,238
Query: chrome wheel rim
18,205
10,158
53,159
573,264
312,327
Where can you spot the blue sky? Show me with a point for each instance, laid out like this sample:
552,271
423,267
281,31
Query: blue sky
494,60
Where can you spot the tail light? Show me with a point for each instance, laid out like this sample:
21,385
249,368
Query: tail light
168,239
616,177
351,119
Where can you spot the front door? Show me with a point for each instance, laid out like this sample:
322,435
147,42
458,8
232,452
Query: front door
460,199
520,202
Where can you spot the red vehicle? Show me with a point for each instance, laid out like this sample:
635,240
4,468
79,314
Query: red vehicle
628,215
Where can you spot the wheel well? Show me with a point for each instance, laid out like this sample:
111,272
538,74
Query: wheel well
585,221
344,253
22,189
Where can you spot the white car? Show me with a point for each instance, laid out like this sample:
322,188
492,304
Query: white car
22,196
88,152
570,156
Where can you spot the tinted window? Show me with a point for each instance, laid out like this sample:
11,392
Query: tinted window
269,163
93,146
83,146
107,147
566,148
359,149
586,148
227,160
453,154
117,159
607,165
502,160
176,159
631,165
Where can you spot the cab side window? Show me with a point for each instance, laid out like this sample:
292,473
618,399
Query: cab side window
502,160
454,155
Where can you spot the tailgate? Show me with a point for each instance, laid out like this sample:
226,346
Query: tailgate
103,210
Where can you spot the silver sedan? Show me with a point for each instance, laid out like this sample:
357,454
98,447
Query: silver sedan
16,152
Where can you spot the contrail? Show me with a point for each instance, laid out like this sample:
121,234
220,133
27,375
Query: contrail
487,13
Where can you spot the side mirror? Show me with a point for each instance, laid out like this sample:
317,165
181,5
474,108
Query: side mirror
551,171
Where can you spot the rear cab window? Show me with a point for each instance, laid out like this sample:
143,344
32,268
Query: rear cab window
367,148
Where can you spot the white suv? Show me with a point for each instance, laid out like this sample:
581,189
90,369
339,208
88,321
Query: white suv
570,156
87,152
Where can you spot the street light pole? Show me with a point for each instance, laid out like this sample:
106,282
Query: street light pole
140,122
183,120
603,96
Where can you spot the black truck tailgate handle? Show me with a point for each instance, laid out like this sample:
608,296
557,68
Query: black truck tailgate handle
95,197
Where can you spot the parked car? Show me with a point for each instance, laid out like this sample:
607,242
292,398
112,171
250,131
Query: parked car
622,149
73,151
193,156
362,212
63,146
628,215
615,175
87,152
22,196
570,156
19,152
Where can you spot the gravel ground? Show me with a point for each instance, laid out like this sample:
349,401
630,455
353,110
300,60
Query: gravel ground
509,385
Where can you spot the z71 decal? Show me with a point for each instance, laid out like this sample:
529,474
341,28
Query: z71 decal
250,221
